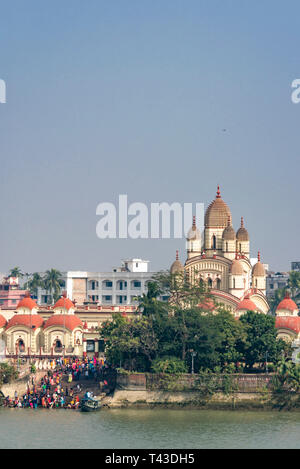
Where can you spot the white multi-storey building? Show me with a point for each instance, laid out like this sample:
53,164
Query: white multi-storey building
122,286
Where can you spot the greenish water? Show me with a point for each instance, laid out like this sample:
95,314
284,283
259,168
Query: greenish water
147,429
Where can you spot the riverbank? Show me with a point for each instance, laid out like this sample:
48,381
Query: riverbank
230,392
128,399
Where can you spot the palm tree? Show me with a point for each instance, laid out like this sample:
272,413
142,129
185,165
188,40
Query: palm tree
148,302
16,272
294,284
52,282
34,283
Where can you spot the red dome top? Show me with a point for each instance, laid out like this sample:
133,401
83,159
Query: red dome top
27,302
70,321
64,302
287,303
247,304
2,321
288,322
27,320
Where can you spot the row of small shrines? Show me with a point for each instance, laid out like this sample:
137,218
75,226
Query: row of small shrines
27,333
63,333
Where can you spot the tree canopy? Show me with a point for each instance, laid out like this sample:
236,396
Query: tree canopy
171,334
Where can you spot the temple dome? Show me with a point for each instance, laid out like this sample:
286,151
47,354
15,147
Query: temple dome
176,266
69,321
247,304
64,302
236,268
217,213
229,233
28,320
193,232
287,303
2,321
258,269
242,234
27,302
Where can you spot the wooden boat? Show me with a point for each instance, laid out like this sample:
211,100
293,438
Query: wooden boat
90,405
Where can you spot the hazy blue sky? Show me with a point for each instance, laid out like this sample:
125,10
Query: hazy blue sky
130,97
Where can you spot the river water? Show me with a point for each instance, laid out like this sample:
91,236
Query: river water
148,429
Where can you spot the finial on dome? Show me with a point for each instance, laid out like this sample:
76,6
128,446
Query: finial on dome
218,193
258,256
27,294
242,222
229,221
194,220
64,294
177,255
287,295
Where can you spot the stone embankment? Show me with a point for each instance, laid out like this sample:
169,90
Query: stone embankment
191,391
21,384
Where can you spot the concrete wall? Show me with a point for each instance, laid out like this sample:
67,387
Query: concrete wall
246,383
151,390
20,385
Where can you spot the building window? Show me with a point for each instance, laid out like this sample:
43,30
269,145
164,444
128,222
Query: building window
137,284
90,346
214,242
108,284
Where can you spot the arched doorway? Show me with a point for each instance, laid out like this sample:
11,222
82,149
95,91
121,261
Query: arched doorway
58,347
20,346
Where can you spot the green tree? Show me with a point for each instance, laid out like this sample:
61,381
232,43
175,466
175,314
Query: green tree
184,296
7,373
16,272
34,283
149,304
183,293
133,343
169,365
261,343
52,282
294,284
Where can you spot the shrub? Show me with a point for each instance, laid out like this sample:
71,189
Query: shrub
169,365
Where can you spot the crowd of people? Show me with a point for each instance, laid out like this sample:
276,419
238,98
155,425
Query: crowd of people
61,386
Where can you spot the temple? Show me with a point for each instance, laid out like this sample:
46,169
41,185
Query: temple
222,260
